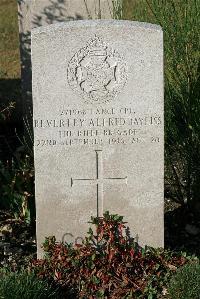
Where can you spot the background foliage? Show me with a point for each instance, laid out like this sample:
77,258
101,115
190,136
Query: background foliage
180,21
17,187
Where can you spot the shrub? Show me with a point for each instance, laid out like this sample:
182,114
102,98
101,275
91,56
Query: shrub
185,284
23,285
108,264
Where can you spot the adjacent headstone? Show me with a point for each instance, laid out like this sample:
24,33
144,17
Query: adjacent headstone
35,13
98,125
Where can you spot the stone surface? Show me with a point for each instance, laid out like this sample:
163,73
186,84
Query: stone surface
98,126
35,13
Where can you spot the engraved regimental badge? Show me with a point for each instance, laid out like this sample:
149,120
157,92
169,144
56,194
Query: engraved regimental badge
97,72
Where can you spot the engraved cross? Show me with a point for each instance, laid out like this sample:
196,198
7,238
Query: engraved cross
99,182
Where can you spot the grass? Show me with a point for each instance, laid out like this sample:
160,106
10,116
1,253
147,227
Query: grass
24,285
185,284
180,21
133,10
10,86
9,45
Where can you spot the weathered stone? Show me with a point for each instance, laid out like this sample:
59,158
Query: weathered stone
35,13
98,125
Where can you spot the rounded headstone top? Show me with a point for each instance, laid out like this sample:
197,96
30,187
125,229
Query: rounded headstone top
95,23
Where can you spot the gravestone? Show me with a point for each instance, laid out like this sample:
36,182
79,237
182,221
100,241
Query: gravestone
98,127
35,13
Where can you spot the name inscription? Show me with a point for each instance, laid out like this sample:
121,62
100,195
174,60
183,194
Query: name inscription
98,126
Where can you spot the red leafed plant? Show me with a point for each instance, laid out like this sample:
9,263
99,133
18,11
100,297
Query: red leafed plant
108,264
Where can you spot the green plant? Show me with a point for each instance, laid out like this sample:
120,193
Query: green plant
17,187
108,264
117,9
24,285
182,98
6,111
185,284
180,21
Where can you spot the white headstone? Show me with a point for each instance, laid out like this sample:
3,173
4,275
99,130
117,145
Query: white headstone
98,126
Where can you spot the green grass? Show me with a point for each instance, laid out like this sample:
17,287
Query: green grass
185,284
180,20
9,40
24,285
9,60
